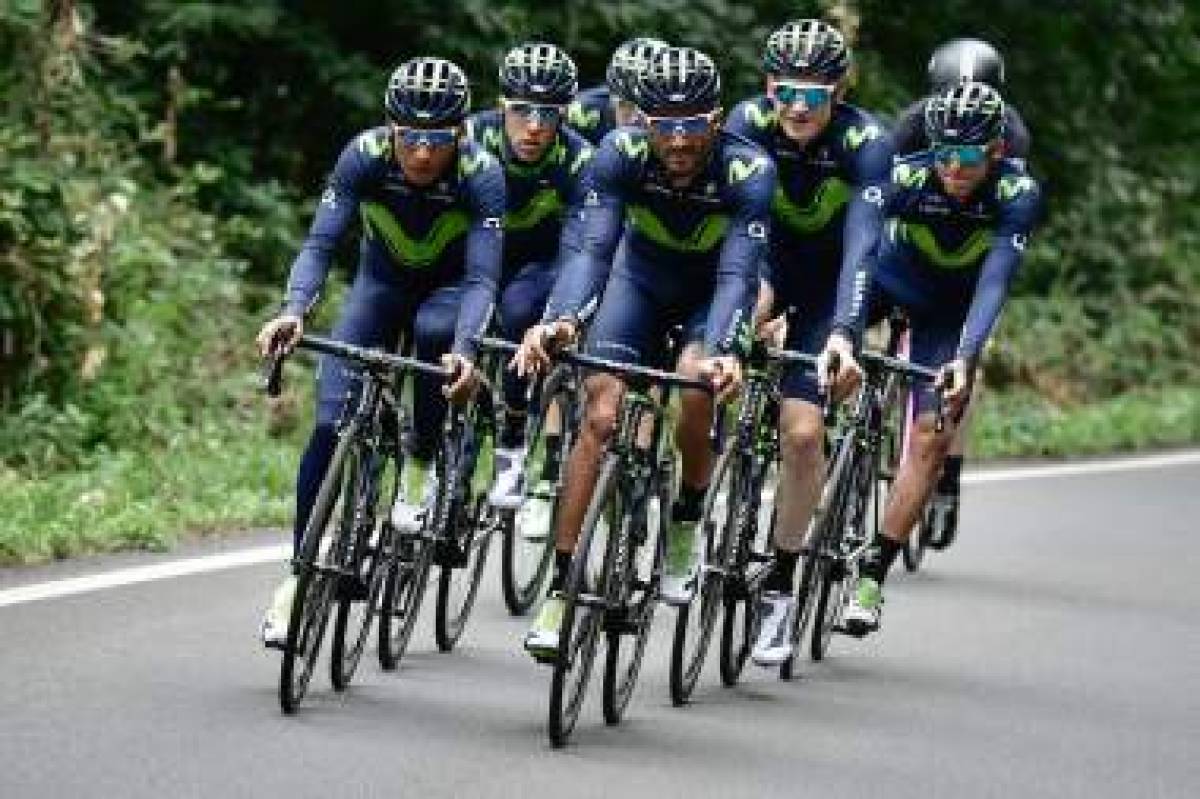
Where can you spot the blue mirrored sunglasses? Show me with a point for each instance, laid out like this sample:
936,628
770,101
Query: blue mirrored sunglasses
680,126
427,137
812,95
542,112
964,154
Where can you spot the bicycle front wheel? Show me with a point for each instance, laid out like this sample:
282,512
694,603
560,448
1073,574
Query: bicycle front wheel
579,631
695,622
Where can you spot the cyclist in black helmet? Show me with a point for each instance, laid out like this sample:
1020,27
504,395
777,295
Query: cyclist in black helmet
959,217
600,109
431,205
675,227
833,160
951,63
956,61
545,165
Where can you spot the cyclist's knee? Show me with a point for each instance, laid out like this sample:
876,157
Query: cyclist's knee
600,412
930,442
801,432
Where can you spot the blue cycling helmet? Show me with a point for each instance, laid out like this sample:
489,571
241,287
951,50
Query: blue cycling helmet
966,113
628,61
540,73
678,80
807,47
427,92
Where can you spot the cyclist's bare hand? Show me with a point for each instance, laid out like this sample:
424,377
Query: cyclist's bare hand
724,372
463,379
955,380
838,371
773,332
280,335
539,344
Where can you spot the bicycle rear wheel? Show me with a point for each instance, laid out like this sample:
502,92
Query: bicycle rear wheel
579,631
695,622
321,552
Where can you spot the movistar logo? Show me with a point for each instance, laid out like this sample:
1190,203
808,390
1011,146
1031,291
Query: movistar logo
909,177
966,255
703,238
856,137
1013,185
407,251
374,143
831,196
470,163
638,150
582,117
740,170
492,139
758,117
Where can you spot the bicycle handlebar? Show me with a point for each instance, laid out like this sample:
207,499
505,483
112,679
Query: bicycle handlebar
374,359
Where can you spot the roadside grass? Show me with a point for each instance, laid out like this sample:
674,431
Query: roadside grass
213,480
1022,424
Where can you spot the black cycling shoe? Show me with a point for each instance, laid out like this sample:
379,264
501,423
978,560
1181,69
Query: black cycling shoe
945,521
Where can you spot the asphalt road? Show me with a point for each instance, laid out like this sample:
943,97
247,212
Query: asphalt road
1054,652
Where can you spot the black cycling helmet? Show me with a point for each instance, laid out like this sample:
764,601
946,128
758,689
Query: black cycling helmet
807,47
427,92
965,113
540,73
678,80
628,61
965,59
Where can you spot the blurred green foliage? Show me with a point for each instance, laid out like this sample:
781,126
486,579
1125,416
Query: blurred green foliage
158,160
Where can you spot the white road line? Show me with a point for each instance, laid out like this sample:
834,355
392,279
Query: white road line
1086,467
54,589
143,574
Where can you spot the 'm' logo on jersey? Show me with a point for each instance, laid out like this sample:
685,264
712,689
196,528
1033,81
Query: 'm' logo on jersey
1013,185
637,150
857,137
740,170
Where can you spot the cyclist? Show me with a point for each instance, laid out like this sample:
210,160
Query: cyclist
959,220
833,160
693,204
598,110
954,61
431,204
545,164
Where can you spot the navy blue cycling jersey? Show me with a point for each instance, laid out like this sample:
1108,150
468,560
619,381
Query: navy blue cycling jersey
940,255
413,237
591,113
706,237
544,216
909,135
827,206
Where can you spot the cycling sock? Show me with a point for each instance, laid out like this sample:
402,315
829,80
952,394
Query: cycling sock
551,464
691,500
951,474
783,571
562,564
880,558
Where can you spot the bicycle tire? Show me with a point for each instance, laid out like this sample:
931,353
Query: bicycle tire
521,589
315,585
580,628
686,664
403,593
